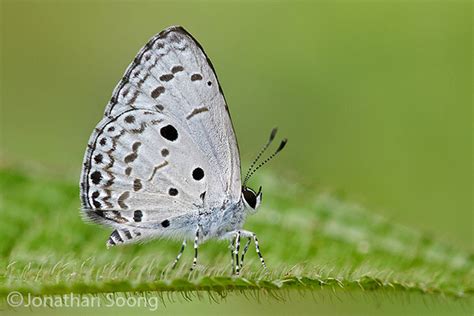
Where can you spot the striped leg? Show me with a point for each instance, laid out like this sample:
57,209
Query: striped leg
246,247
196,239
179,255
257,248
235,235
237,248
232,243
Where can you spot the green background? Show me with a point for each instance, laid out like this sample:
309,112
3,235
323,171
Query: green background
374,96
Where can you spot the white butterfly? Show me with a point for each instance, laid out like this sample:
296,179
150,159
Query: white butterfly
164,160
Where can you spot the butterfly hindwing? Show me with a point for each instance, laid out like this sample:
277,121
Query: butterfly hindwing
138,171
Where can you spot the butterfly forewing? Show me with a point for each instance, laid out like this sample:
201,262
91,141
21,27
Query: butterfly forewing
173,75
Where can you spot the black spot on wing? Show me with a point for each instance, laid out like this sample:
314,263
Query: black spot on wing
176,69
116,236
98,158
127,233
157,92
95,196
121,200
137,185
96,177
166,77
137,216
195,77
130,119
136,145
169,132
130,158
198,174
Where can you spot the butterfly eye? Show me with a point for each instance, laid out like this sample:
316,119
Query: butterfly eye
251,198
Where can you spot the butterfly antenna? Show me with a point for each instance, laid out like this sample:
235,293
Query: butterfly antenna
264,148
282,145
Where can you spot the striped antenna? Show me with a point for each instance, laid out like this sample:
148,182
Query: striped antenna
264,148
249,175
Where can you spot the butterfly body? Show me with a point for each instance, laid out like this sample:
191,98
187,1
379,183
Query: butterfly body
164,160
217,223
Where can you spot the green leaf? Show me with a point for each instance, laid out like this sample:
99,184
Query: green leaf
309,241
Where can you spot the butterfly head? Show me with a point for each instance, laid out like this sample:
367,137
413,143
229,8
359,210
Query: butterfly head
251,198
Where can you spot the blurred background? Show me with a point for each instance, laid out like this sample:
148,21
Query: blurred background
374,96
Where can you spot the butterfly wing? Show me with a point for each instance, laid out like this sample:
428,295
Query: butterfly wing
166,146
173,75
139,173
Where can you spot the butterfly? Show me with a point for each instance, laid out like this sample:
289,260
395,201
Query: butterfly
164,160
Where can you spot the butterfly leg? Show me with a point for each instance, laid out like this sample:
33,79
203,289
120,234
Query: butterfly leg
235,235
246,233
236,252
232,247
257,248
196,239
179,255
246,247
